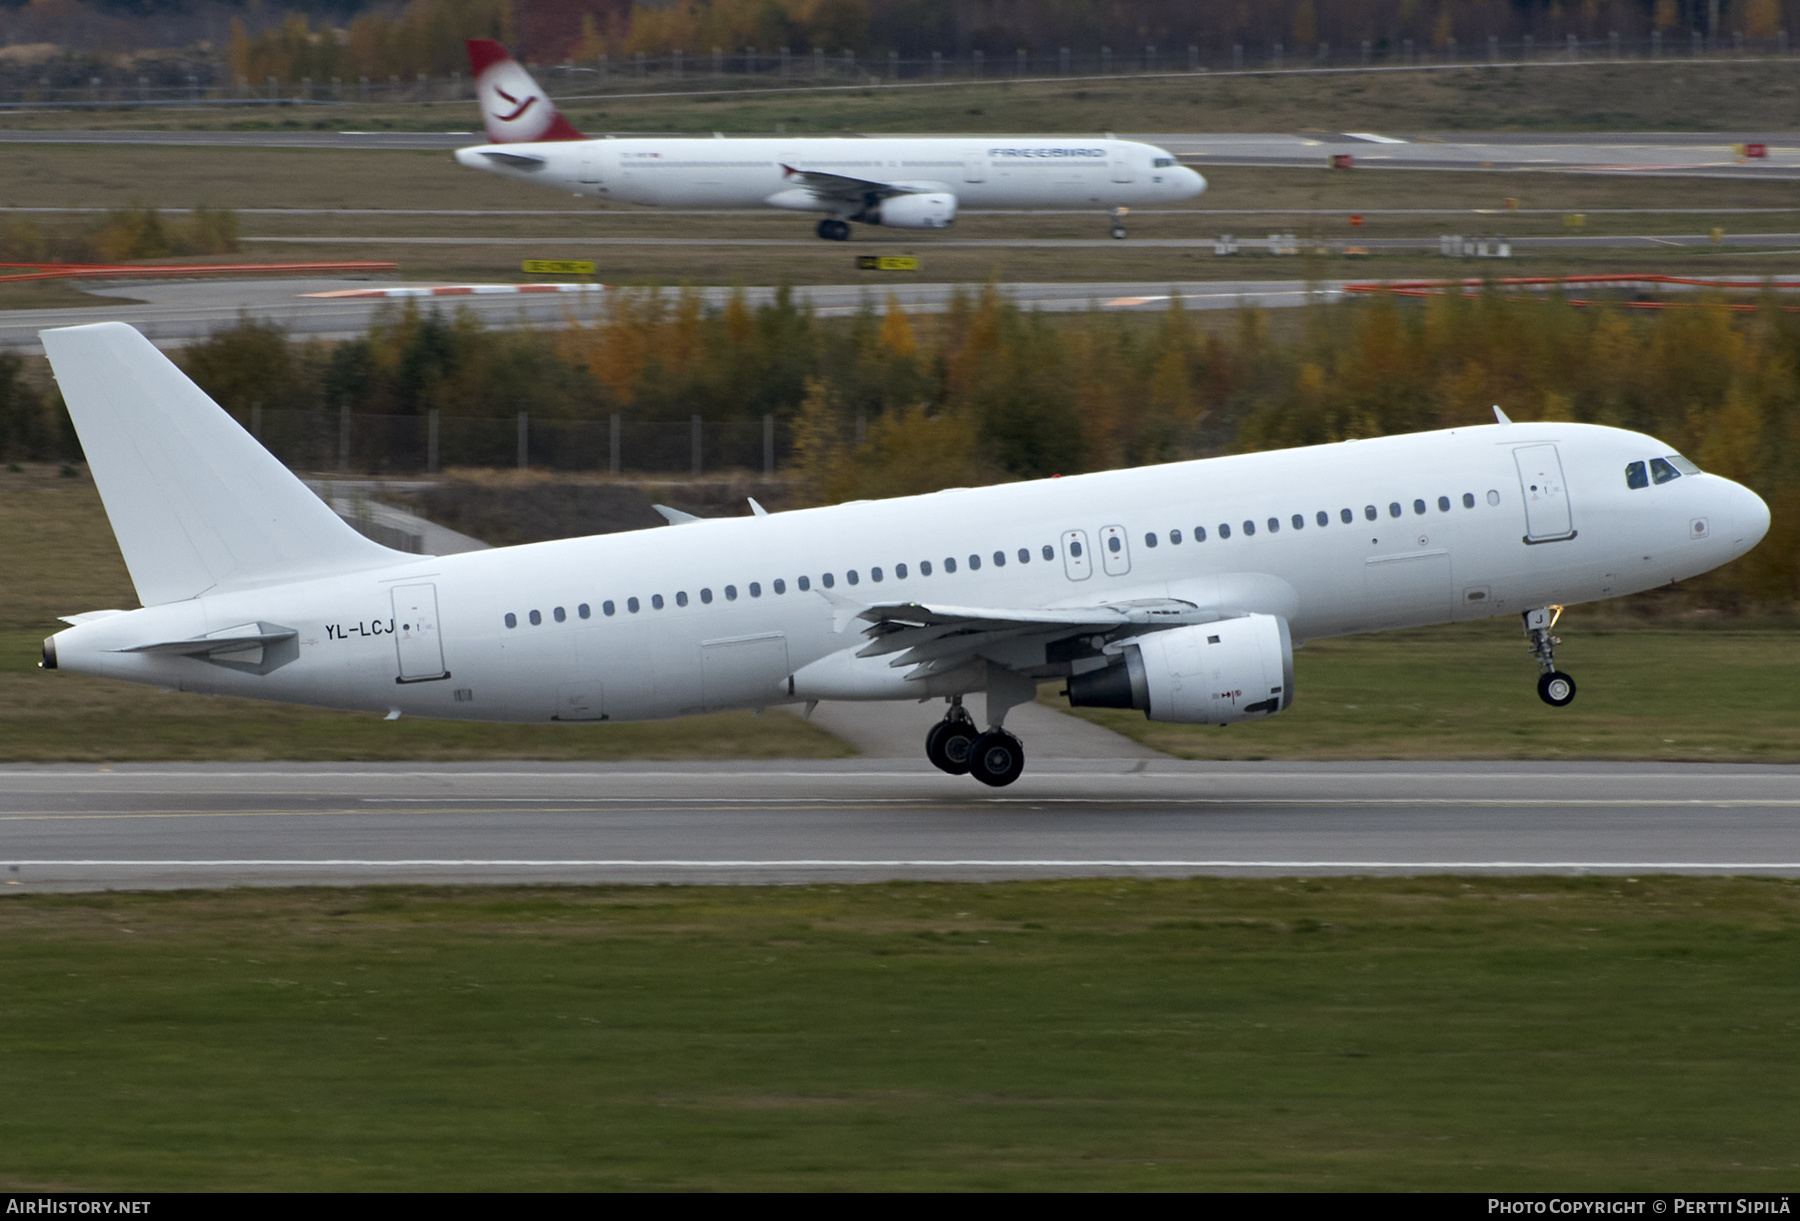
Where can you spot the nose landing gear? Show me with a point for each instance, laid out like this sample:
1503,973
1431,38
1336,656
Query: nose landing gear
1118,223
1554,687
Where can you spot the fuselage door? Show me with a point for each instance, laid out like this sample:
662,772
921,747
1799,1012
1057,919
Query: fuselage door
975,168
416,636
1122,169
1077,563
1115,550
587,166
1547,516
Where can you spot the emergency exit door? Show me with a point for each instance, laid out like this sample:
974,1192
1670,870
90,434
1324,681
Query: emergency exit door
1547,516
415,628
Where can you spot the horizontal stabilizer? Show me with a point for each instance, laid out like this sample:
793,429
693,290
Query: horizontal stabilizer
196,502
226,640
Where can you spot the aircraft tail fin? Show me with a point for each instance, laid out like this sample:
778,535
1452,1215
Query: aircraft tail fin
514,108
196,503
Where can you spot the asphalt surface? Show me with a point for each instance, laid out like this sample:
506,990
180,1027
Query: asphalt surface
179,312
1707,154
147,826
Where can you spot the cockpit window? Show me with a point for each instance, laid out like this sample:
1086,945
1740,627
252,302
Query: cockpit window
1683,465
1661,471
1163,163
1636,476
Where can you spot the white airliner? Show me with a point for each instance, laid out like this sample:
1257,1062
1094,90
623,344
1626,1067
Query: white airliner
904,183
1181,590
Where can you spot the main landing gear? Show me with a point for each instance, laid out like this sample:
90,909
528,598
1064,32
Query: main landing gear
956,746
1554,687
833,230
1118,223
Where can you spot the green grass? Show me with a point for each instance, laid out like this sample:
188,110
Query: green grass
1428,1034
1714,95
1714,694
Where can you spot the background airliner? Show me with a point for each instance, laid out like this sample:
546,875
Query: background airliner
905,183
1181,590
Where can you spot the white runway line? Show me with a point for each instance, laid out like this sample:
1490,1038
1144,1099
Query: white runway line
809,863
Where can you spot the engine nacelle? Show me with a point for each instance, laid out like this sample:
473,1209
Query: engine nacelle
936,210
1209,674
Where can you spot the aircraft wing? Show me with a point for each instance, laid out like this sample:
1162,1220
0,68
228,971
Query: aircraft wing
942,637
842,188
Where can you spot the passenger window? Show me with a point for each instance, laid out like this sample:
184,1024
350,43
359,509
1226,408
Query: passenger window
1249,528
1323,518
1075,549
999,559
1224,530
631,604
1493,497
1443,504
1393,508
1299,522
1150,539
656,602
874,574
899,572
1113,544
1370,512
827,580
607,608
804,583
780,586
1661,471
852,577
1347,516
1199,534
1419,507
1468,500
560,615
583,611
1636,475
1274,525
924,568
1024,555
756,589
731,593
1174,538
1049,552
706,596
681,597
535,618
512,620
974,563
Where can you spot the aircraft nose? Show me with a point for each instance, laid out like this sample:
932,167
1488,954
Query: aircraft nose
1750,514
1196,183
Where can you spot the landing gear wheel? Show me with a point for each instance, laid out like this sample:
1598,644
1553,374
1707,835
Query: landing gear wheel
948,746
834,230
996,758
1556,689
1118,232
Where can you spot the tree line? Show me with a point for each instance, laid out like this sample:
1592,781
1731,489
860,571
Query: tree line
888,403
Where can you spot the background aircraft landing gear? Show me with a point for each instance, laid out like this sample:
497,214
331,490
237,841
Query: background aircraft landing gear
1118,223
833,230
1554,687
951,740
996,758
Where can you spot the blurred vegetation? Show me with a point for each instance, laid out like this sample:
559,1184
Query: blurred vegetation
120,235
886,403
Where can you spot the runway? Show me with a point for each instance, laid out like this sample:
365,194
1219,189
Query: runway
176,313
1705,154
176,825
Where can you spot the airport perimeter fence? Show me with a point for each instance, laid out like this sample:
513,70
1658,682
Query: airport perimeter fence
200,82
354,442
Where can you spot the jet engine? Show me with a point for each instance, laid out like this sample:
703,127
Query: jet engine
1209,674
930,211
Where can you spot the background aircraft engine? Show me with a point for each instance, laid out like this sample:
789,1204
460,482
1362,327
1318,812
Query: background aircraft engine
1211,674
933,211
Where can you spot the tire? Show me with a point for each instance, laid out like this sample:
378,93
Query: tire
1556,689
1118,233
834,230
948,746
996,758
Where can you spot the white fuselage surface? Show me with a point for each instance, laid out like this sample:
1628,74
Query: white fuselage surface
751,611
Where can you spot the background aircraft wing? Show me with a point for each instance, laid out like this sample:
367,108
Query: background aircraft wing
841,188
